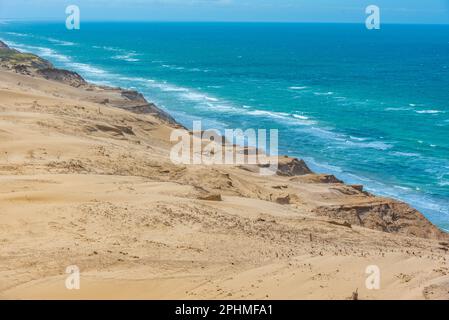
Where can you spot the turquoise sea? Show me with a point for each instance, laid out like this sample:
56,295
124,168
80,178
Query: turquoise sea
370,106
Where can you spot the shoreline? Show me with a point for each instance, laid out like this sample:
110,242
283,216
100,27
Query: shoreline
87,180
429,203
144,106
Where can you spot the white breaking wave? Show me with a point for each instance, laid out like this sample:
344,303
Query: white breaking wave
271,114
179,68
323,93
87,68
428,111
17,34
358,138
298,88
443,183
398,109
129,57
406,154
167,87
61,42
108,48
172,67
345,141
137,79
298,116
379,145
196,96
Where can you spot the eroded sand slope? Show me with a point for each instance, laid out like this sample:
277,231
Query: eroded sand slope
83,182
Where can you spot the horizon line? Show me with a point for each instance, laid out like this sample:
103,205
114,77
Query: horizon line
218,21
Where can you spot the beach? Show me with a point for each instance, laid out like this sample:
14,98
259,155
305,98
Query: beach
361,115
87,180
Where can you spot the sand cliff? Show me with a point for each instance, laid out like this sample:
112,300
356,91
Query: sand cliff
87,181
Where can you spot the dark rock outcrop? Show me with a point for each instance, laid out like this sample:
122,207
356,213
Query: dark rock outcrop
291,167
141,105
68,77
133,95
389,216
316,178
211,197
3,45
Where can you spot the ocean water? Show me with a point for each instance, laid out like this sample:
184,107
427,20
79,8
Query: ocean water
371,107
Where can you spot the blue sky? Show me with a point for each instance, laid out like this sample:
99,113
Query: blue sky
392,11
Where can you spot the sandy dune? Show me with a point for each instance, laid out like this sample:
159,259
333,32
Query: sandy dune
85,183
